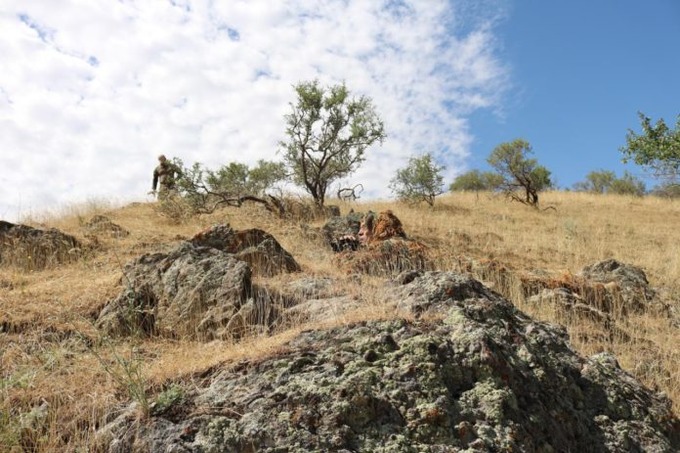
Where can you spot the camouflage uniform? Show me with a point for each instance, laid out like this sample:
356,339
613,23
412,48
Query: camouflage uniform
166,174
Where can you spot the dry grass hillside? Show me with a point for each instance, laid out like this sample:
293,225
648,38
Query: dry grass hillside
60,378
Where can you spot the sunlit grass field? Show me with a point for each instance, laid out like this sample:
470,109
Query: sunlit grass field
60,378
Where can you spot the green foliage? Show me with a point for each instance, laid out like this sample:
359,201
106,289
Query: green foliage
605,181
266,175
127,373
420,180
237,179
202,190
599,181
475,180
522,177
628,185
231,178
657,148
170,397
327,135
667,190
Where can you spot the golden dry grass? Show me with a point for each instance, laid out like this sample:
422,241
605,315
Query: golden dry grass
51,353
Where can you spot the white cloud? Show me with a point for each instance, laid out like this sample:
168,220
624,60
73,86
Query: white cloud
91,92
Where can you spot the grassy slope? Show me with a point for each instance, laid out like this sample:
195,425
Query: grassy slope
46,315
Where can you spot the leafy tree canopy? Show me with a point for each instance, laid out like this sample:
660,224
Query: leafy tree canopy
232,184
420,180
522,176
475,180
605,181
239,179
657,148
599,181
628,185
327,134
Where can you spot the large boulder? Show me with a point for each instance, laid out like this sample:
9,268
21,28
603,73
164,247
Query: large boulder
34,249
604,291
202,289
468,372
624,287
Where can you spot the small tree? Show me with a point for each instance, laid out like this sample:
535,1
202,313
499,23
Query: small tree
604,181
266,175
657,148
667,190
233,184
231,179
328,133
420,180
475,180
238,179
522,177
628,185
599,181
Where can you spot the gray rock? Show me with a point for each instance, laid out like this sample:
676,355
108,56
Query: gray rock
320,309
624,288
258,248
191,292
612,270
35,249
469,373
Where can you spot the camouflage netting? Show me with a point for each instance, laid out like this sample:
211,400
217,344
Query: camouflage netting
471,373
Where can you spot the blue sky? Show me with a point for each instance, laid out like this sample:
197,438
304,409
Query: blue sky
91,93
581,70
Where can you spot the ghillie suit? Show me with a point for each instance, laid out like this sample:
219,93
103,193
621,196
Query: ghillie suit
386,226
385,249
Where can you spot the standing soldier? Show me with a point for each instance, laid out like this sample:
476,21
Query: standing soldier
166,174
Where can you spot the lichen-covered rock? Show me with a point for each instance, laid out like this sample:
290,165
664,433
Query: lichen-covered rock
192,292
469,373
622,287
34,249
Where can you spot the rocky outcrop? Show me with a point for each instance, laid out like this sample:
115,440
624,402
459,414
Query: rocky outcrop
469,372
624,284
102,225
34,249
202,289
605,292
256,247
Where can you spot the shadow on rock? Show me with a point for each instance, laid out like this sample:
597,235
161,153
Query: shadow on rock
202,289
471,372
